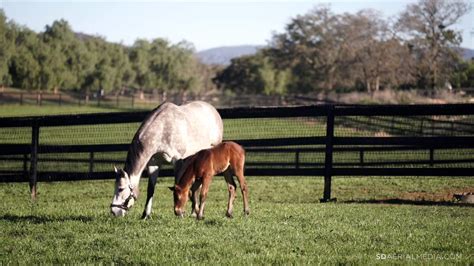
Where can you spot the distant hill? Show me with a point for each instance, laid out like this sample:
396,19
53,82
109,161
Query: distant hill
467,54
223,55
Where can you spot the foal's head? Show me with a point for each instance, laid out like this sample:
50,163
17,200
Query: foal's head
125,194
180,198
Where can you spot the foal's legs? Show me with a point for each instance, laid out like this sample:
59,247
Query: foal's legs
239,172
229,179
206,181
153,171
195,191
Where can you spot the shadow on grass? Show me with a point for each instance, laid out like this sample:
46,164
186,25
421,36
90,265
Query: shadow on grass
410,202
44,219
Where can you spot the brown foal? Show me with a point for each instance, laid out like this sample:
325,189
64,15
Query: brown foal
228,158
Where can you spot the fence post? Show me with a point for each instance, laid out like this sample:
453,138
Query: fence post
329,154
34,159
60,99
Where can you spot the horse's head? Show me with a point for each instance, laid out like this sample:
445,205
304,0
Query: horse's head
125,194
180,198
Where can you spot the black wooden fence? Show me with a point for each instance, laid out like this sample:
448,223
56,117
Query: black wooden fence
348,143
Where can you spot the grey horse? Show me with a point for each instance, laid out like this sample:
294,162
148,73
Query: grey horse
168,134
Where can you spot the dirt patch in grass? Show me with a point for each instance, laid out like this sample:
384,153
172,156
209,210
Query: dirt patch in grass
446,195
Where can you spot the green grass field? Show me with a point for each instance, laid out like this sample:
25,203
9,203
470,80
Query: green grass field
9,110
70,223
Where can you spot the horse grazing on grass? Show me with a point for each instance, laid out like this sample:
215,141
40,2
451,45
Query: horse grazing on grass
227,158
167,135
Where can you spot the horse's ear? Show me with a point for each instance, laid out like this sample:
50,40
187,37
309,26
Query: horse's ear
171,188
120,172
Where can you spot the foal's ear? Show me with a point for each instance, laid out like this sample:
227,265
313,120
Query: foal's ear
171,188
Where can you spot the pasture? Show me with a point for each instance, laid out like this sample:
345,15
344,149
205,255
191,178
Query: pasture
375,219
70,223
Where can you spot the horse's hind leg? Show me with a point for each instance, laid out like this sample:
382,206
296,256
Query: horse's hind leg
153,171
239,173
229,179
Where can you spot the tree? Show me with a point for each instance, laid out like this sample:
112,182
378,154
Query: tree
138,55
426,28
274,81
24,68
255,74
67,61
375,57
241,76
314,47
6,49
463,76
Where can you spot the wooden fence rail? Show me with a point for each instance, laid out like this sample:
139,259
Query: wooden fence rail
327,146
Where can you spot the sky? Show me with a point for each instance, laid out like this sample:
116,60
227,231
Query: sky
204,23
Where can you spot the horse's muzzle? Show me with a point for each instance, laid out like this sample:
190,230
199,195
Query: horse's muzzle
117,211
179,213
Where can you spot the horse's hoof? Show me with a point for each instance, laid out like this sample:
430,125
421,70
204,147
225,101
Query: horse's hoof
229,215
247,212
200,218
146,217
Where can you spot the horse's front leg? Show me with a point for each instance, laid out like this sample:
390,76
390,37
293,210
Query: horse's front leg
206,181
195,192
153,171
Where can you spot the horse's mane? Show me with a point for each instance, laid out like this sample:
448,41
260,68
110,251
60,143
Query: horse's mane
136,148
133,155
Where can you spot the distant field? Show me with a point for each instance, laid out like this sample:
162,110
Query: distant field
70,223
9,110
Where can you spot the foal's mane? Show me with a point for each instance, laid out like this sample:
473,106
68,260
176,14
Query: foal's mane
188,173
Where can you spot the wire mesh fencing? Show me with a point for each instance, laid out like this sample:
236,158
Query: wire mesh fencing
434,155
310,140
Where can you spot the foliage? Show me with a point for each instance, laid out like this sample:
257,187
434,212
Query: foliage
6,47
254,74
426,26
60,59
463,76
327,51
317,51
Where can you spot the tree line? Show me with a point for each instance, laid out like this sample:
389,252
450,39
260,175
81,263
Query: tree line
321,50
317,51
60,59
